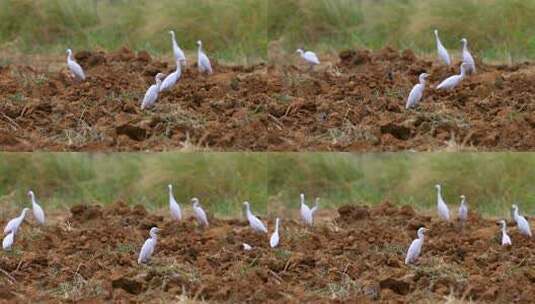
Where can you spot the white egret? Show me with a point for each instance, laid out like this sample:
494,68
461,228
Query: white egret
177,51
38,212
203,63
442,52
506,240
443,210
306,214
416,247
174,207
467,58
199,213
255,223
463,210
7,242
171,79
315,208
521,222
148,247
453,81
309,57
417,92
152,93
274,240
74,67
247,247
14,224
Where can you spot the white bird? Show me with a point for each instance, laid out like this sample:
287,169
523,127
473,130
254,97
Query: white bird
174,207
255,223
506,240
417,92
416,247
467,58
38,212
7,242
442,52
315,208
203,63
74,67
177,51
463,210
247,247
274,240
14,224
309,57
152,93
453,81
199,213
443,210
171,79
521,222
306,213
148,247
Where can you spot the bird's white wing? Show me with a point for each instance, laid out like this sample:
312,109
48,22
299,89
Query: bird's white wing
201,216
274,241
150,97
257,224
443,53
415,95
523,226
174,207
179,54
449,82
506,240
7,242
463,213
76,69
38,213
443,210
306,214
204,64
414,251
169,81
146,251
312,57
11,225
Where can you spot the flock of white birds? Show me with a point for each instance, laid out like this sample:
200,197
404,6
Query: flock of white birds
307,216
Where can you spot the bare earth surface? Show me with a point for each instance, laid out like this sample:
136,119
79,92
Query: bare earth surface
353,256
354,103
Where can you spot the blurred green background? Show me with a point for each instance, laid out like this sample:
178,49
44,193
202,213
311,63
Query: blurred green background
241,30
222,181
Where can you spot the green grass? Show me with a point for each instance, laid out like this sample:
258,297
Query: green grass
222,181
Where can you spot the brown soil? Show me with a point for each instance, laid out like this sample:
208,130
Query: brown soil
354,257
354,103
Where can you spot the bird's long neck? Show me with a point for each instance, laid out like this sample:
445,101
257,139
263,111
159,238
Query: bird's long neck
504,228
277,226
515,213
154,236
421,235
465,47
437,39
200,48
439,195
171,196
23,214
248,211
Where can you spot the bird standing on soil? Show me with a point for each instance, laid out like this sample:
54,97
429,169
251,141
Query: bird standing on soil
174,207
310,57
7,242
177,51
255,223
467,58
199,213
463,210
148,247
274,240
506,240
74,67
442,208
152,93
171,79
521,222
453,81
38,212
442,52
416,247
417,92
203,63
14,224
306,213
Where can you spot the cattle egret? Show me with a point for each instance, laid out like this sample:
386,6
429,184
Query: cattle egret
315,208
7,242
443,211
442,52
14,224
521,222
453,81
506,240
174,207
171,79
274,241
38,212
152,93
417,92
177,51
199,213
203,63
309,57
148,246
463,210
467,58
306,214
255,223
247,247
416,247
74,67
